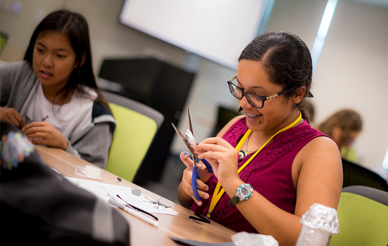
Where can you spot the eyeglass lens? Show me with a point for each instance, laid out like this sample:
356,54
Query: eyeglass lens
253,99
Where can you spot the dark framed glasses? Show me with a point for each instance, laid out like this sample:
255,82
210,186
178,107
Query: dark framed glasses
253,99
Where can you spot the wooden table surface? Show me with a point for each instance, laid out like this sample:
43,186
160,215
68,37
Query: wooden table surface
142,233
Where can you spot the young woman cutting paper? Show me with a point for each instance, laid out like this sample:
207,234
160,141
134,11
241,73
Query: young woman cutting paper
269,165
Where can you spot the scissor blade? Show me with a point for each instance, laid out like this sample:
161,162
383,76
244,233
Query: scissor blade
191,126
184,140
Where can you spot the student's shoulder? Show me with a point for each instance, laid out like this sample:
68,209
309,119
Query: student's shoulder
18,65
16,68
101,114
99,110
321,150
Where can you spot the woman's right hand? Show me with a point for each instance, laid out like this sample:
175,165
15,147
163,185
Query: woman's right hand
186,179
11,116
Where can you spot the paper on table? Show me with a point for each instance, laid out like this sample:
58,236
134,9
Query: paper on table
101,190
88,171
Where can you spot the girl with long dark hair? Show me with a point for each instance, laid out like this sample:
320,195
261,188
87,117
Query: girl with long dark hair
52,95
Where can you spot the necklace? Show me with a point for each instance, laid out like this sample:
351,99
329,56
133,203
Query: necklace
243,153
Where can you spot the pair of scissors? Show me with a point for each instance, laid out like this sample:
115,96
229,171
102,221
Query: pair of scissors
189,143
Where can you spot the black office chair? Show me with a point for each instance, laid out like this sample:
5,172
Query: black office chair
355,174
224,115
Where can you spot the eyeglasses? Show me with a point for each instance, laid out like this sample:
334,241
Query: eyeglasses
253,99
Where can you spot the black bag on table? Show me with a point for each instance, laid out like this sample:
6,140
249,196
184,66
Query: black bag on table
38,206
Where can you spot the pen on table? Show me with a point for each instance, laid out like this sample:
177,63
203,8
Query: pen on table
137,214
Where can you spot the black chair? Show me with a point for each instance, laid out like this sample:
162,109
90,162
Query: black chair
355,174
224,115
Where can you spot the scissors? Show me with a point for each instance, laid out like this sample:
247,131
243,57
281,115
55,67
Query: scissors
188,140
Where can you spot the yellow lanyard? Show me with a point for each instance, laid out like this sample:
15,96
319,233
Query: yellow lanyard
217,193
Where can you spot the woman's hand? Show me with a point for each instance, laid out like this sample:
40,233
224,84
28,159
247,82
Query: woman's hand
44,133
11,116
221,156
186,178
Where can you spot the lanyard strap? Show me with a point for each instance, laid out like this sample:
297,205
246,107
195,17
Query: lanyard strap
217,193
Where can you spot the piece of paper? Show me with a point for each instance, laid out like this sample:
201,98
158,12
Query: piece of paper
102,190
136,192
89,171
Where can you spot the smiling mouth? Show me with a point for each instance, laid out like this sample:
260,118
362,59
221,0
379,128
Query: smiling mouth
252,116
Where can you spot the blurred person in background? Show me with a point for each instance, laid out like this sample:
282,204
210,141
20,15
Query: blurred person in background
344,126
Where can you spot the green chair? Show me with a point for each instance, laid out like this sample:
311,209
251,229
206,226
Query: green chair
136,126
362,221
368,192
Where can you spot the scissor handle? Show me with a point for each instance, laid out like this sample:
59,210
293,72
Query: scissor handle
207,164
194,178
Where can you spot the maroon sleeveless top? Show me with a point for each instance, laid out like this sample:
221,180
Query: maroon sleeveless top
269,173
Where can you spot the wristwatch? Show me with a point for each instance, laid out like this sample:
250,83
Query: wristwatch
244,192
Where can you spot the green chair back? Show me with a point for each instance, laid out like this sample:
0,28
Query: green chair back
362,221
131,140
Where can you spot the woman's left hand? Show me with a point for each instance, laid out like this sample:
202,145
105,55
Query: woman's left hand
44,133
221,156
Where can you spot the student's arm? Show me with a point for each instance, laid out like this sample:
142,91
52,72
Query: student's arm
94,145
16,82
318,180
8,77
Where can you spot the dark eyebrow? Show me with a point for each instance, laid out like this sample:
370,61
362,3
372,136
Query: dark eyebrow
39,43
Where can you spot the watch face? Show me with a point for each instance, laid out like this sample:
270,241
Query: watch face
245,191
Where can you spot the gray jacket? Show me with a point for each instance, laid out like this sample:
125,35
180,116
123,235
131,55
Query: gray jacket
16,82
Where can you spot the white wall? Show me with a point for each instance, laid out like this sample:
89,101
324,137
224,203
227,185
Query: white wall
353,68
352,71
111,39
